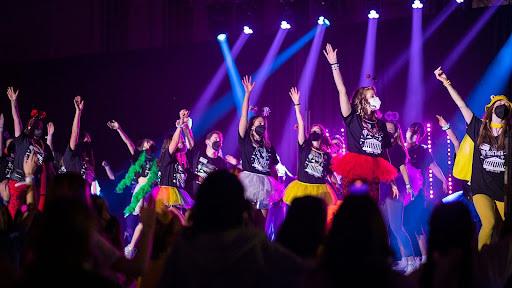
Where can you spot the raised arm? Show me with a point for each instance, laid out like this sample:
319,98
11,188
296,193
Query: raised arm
295,95
13,96
449,132
49,139
189,137
330,54
129,143
108,170
466,112
75,130
175,137
242,125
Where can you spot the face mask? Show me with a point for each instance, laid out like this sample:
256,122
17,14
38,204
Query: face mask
374,103
38,133
260,130
216,145
502,111
315,136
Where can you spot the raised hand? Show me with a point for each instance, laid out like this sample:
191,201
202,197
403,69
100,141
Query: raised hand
50,128
248,84
441,76
112,124
13,95
441,120
30,164
330,54
184,114
79,103
105,164
295,95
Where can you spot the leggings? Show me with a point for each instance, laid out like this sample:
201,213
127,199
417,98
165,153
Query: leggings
393,213
486,209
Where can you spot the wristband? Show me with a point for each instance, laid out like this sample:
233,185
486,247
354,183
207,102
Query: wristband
335,66
408,185
446,127
447,83
298,104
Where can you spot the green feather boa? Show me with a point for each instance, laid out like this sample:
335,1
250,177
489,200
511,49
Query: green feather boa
143,190
130,175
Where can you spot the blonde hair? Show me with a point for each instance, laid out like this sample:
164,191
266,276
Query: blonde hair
359,102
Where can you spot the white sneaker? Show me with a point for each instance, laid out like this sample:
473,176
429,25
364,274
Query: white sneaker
129,252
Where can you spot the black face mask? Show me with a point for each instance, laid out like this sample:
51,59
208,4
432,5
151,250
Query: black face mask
216,145
38,133
260,130
315,136
502,111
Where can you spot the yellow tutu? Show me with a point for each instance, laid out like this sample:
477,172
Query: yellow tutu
167,196
298,189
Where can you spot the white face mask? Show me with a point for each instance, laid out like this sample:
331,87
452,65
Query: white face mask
410,138
374,103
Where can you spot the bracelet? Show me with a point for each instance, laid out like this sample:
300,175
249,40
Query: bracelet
335,66
447,83
446,127
298,104
179,126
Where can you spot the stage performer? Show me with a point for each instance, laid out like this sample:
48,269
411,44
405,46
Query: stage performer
31,140
258,157
367,135
488,165
392,200
314,161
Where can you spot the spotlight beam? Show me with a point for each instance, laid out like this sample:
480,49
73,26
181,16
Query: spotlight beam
225,103
233,75
369,53
201,105
413,108
287,149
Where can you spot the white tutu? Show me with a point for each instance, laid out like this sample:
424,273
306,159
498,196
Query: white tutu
261,190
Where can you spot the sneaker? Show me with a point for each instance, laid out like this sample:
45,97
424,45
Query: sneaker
129,252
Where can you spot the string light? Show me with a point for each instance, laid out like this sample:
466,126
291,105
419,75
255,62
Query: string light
450,164
429,145
343,145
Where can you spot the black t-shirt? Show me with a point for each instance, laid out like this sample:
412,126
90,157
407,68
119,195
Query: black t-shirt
172,173
397,156
314,166
203,165
259,159
364,137
23,145
488,165
73,162
420,158
146,166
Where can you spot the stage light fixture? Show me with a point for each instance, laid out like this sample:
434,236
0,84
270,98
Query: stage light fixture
417,4
221,37
323,21
285,25
460,1
373,14
247,30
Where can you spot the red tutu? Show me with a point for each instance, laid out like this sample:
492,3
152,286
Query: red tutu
353,166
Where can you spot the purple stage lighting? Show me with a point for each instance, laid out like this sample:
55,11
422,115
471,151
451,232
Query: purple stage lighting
373,14
247,30
221,37
285,25
369,54
417,4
